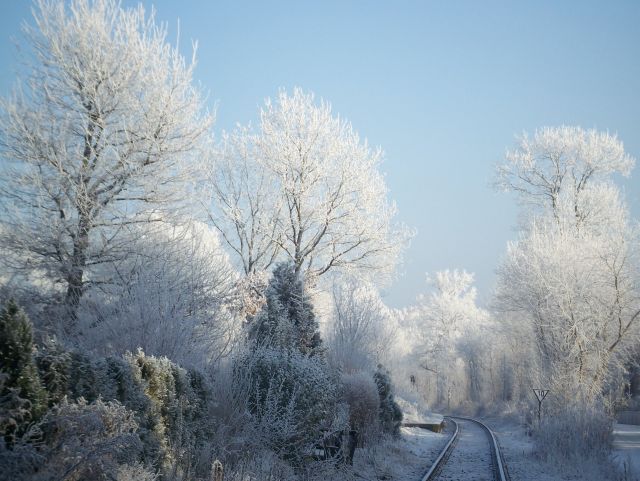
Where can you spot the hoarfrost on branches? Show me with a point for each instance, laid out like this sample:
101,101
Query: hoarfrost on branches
97,138
304,188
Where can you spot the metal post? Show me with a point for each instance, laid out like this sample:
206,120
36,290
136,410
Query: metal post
540,395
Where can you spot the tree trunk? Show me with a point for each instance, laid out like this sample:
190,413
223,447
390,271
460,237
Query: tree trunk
75,276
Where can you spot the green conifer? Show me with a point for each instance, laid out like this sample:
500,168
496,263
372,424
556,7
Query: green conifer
287,321
16,359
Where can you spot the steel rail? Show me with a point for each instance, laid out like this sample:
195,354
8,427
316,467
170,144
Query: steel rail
440,460
500,471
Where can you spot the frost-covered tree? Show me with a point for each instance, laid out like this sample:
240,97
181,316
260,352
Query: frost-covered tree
173,299
444,315
247,208
570,280
96,138
554,168
579,293
306,189
446,325
287,320
362,327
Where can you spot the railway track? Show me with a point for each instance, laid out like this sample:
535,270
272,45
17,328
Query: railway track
471,454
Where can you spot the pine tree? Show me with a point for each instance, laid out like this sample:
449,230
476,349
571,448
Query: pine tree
16,359
287,321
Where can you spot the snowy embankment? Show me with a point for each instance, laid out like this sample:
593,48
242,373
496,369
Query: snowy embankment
626,448
523,464
413,413
406,458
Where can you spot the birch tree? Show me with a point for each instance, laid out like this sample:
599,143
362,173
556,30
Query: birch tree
305,189
96,137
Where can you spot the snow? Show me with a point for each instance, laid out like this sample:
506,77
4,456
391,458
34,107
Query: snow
523,465
626,447
407,458
471,456
414,412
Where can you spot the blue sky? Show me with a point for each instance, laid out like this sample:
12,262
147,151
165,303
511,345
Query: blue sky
443,87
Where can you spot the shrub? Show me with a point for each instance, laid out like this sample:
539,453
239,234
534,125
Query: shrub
74,441
360,392
134,472
287,320
390,413
175,412
169,402
575,432
290,397
16,362
53,363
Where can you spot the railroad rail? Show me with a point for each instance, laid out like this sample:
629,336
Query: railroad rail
499,467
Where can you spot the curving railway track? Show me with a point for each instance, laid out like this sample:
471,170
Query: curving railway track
471,454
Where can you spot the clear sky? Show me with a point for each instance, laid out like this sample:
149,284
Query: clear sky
442,86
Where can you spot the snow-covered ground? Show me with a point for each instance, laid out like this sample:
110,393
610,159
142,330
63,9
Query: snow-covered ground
410,456
523,465
413,412
407,458
626,447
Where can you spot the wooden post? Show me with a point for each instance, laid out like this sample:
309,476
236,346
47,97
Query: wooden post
217,473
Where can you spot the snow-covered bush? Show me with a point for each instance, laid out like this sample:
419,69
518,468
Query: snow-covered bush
360,392
75,441
135,472
390,413
574,434
14,412
287,320
290,396
170,403
175,409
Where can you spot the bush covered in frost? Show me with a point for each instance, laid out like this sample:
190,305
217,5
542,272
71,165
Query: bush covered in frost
169,404
390,412
75,441
21,380
360,392
290,396
287,320
575,434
